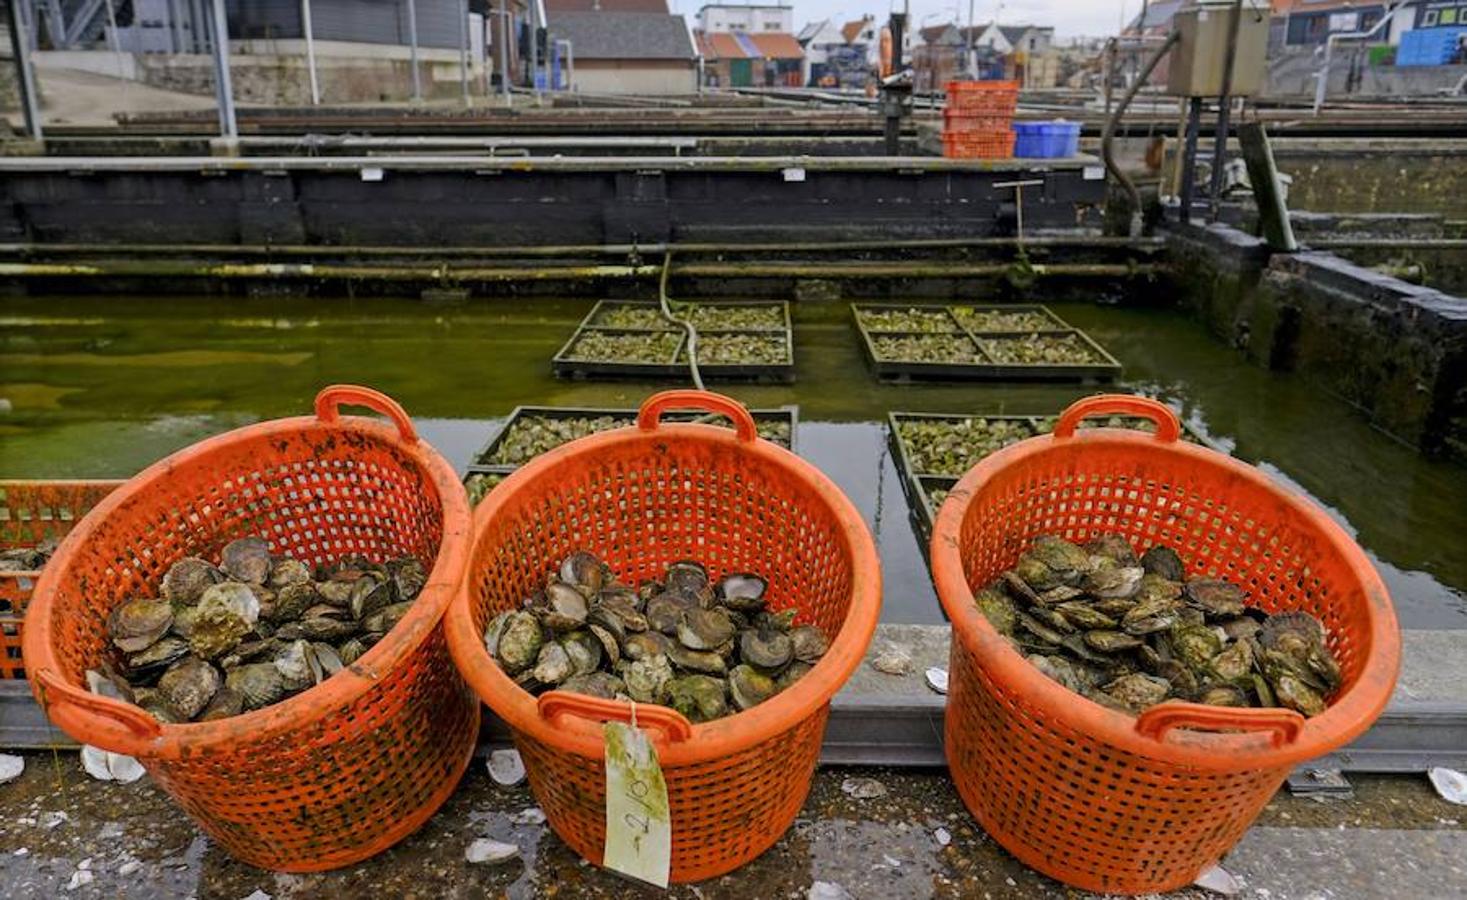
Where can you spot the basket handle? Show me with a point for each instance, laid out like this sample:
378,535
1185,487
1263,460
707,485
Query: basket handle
1168,429
104,722
1285,725
661,402
555,704
331,399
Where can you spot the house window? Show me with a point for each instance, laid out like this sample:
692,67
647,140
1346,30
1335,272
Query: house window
771,26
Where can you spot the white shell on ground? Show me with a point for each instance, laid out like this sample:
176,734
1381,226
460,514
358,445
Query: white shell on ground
1450,784
506,767
863,788
937,679
486,850
11,767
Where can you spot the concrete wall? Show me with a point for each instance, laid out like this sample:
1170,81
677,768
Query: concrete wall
363,21
604,76
283,79
1355,176
1395,351
1291,74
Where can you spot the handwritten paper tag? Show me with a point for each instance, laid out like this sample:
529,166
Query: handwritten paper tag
638,825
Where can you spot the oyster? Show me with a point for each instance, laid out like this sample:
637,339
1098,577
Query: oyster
409,577
766,648
297,666
647,678
1109,580
1111,641
741,591
246,560
705,629
138,624
1196,645
288,571
162,653
227,702
369,593
553,665
1163,562
386,618
646,643
1112,547
1138,691
698,697
665,611
259,684
996,606
1215,597
188,686
185,581
584,572
226,613
749,687
519,642
595,684
810,643
1082,615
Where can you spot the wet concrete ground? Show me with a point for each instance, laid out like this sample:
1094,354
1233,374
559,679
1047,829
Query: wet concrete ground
65,835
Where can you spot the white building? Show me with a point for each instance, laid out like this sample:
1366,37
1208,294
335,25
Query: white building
751,18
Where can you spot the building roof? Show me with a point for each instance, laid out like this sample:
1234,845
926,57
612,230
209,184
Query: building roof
742,45
932,32
810,30
1158,15
852,30
623,35
638,6
777,45
1013,33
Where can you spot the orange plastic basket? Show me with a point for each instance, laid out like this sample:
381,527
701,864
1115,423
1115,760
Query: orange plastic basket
32,512
989,98
641,497
967,123
978,145
337,773
1095,798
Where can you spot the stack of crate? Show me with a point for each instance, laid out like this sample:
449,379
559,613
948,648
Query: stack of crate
977,121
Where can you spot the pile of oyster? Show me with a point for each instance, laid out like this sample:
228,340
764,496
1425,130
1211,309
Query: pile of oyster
933,321
479,484
639,347
705,648
927,348
953,446
27,559
1042,349
633,316
736,317
251,631
1000,321
740,350
1131,632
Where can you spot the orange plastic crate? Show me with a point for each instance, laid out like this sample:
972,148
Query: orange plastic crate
991,98
979,145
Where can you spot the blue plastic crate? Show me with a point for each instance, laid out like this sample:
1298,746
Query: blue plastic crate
1429,46
1047,140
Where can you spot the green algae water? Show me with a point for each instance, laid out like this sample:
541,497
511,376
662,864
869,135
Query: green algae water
103,386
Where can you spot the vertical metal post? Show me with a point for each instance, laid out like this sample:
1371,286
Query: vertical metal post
1224,112
570,65
504,51
535,49
25,75
969,63
412,11
219,31
310,52
463,48
56,24
1189,159
112,39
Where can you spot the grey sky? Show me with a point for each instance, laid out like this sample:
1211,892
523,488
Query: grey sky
1070,18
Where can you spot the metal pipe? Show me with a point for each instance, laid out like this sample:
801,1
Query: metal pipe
112,32
1321,86
1224,111
664,305
535,49
25,73
1107,140
310,52
228,125
412,11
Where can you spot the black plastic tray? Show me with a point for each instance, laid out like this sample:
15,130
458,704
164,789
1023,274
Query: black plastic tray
990,369
676,366
478,466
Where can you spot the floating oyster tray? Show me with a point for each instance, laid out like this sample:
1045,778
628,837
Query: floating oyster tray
532,430
967,341
736,341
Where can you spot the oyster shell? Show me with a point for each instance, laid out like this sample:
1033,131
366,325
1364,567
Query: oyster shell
247,560
186,580
138,624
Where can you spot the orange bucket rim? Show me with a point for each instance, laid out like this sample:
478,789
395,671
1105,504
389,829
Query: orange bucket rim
160,740
1347,717
681,742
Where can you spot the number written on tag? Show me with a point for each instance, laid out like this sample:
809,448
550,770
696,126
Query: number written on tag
638,825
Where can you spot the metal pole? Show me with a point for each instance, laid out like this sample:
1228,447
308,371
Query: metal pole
535,49
228,127
463,48
968,61
504,52
25,75
1189,159
310,52
112,30
1224,112
412,9
570,66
